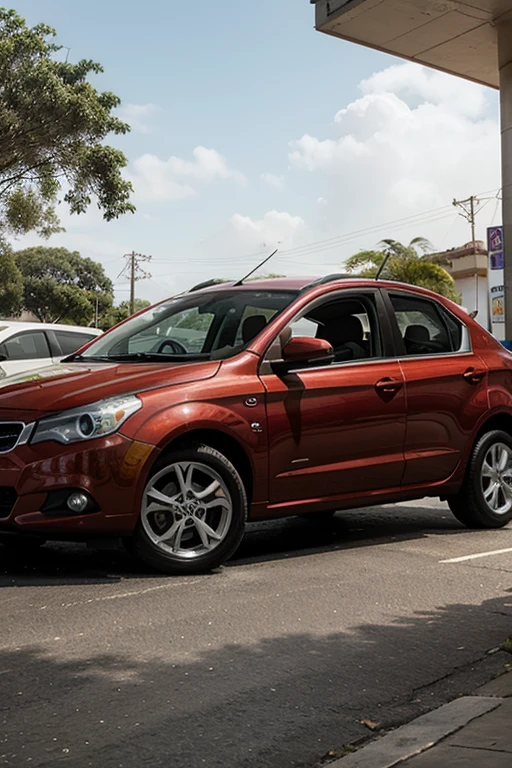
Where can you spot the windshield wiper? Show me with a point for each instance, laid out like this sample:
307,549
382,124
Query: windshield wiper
136,357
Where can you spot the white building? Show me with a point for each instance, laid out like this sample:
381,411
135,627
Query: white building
469,268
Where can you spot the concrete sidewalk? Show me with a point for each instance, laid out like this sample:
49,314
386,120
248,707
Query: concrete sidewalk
469,732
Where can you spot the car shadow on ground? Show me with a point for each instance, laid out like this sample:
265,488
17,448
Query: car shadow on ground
277,701
64,563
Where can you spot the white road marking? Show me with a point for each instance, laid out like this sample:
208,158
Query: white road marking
479,554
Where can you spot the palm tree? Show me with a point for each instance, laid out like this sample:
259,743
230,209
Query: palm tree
414,264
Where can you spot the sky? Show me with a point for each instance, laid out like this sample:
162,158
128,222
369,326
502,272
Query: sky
251,131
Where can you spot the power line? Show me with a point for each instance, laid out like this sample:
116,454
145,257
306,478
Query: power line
312,249
135,272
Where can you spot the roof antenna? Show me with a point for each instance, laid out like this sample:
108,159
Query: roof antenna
240,282
382,266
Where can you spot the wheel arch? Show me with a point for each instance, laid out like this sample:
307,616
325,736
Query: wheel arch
225,443
499,420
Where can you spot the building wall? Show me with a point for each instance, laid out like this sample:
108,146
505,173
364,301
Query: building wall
473,299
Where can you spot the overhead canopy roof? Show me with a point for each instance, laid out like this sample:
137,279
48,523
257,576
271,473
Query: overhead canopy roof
456,36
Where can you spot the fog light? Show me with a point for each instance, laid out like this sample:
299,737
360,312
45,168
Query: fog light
77,502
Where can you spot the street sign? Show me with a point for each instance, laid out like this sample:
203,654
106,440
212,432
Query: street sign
495,277
495,239
496,260
498,304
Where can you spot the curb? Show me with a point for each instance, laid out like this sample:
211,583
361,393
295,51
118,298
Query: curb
418,735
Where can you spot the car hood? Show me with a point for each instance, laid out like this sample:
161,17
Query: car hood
71,385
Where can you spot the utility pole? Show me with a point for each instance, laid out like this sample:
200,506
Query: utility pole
468,211
132,282
135,272
468,208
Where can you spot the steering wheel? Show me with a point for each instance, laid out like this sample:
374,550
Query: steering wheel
177,347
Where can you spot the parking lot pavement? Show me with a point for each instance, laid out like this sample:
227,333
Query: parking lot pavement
315,629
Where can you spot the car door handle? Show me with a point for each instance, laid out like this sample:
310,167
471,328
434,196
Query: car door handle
473,376
388,385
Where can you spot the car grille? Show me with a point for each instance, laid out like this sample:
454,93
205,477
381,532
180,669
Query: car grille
8,498
10,432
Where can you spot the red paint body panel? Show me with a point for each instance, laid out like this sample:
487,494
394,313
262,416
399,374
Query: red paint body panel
70,385
442,410
331,436
329,429
110,468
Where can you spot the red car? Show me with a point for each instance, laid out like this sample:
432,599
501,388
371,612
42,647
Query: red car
251,401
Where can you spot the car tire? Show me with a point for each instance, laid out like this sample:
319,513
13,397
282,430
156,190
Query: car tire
193,512
485,497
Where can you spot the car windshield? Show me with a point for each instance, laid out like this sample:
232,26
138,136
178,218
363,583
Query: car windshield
207,326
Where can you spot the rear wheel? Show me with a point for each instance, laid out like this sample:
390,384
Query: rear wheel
193,512
485,498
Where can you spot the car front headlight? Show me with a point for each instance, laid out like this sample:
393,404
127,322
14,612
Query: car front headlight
96,420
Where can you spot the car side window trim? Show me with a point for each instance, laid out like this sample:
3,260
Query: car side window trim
400,351
342,364
382,319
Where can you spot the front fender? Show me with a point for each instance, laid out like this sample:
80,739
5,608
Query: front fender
166,425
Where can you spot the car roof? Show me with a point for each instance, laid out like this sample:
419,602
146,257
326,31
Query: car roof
329,282
23,326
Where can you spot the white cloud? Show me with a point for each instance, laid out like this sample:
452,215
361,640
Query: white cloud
138,116
156,179
244,241
272,180
207,165
321,201
413,141
273,228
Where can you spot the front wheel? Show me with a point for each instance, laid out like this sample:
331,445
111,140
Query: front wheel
485,497
193,512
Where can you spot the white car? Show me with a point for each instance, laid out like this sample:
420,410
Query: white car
27,346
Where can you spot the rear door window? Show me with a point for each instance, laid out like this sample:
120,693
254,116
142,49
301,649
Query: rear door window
425,327
70,341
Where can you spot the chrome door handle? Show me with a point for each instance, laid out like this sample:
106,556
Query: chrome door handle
388,385
473,376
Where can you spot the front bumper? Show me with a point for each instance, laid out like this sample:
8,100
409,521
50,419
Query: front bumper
111,469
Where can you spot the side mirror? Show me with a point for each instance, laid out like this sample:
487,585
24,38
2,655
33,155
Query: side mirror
302,351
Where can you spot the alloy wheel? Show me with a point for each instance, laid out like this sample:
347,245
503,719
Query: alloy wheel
186,509
496,478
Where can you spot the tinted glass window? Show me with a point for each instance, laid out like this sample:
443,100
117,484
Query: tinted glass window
70,341
188,329
350,325
31,345
211,325
426,328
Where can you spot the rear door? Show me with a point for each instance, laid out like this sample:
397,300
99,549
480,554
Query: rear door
338,429
445,383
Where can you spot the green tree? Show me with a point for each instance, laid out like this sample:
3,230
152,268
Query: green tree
11,283
53,123
414,264
61,286
115,315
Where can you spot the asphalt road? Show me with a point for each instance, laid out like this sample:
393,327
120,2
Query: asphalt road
271,662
